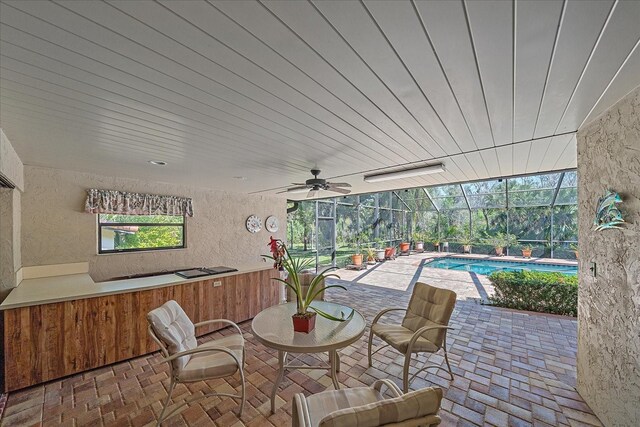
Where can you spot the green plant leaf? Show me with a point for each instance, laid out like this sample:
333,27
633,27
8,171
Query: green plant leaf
330,317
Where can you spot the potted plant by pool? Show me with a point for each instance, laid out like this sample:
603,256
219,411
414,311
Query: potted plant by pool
404,247
380,251
466,242
498,242
526,251
418,243
304,320
371,256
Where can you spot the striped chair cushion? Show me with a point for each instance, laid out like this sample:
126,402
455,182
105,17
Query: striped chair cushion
429,306
174,328
214,364
413,405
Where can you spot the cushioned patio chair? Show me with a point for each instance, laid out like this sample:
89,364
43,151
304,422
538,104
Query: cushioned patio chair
171,328
423,329
367,407
305,281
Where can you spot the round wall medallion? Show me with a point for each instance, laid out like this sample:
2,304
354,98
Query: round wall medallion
271,224
254,224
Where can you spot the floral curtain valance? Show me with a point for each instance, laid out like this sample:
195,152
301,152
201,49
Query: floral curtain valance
119,202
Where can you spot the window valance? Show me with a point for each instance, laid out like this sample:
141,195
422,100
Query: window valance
119,202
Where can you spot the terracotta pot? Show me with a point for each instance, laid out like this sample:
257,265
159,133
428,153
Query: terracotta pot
389,253
527,253
356,259
499,251
404,247
380,254
466,249
304,322
418,246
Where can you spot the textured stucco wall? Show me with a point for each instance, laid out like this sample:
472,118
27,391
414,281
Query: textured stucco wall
56,230
609,304
10,164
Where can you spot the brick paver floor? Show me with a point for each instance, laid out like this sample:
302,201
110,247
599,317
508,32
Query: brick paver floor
511,368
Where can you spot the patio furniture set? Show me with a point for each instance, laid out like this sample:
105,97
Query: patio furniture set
423,330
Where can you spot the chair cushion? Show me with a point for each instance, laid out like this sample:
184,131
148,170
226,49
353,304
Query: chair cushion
174,328
416,404
207,365
398,337
429,306
326,402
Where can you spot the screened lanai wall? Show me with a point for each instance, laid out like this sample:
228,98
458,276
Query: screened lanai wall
539,210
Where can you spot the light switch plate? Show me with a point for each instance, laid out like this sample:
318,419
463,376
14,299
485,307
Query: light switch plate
216,284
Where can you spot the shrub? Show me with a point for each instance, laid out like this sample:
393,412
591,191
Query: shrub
536,291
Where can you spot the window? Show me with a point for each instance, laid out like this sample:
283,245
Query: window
129,233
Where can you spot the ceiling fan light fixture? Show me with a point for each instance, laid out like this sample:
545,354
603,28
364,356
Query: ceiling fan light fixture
405,173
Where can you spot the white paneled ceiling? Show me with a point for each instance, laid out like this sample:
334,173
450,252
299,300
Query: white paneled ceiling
267,90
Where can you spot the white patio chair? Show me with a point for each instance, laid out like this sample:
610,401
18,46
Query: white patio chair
423,330
367,407
173,331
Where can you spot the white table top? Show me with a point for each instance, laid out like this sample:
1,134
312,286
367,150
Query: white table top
273,327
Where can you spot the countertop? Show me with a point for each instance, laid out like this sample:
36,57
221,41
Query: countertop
46,290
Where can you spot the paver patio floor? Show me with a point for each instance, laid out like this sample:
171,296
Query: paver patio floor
511,368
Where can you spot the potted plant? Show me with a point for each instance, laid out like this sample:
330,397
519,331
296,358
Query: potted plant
304,320
526,251
380,251
371,256
466,242
404,247
574,248
418,243
499,241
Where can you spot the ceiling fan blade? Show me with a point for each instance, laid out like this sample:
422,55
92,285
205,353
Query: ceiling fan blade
298,189
298,183
339,184
338,190
312,193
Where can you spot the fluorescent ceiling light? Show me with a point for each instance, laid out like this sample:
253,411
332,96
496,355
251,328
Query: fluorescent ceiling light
405,173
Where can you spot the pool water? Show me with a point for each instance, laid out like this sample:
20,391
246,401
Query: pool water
481,266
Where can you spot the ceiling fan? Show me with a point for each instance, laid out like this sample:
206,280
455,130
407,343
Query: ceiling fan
316,184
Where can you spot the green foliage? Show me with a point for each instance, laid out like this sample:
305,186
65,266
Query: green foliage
295,266
555,293
500,240
146,236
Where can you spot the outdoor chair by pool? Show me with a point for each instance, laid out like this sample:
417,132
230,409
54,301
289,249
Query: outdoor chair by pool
171,328
423,329
368,407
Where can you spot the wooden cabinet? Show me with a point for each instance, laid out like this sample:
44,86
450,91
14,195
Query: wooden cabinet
49,341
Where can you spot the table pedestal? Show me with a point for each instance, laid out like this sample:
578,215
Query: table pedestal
333,367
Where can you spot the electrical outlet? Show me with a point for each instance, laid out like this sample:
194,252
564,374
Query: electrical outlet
216,284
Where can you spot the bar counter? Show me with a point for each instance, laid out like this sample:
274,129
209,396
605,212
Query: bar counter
62,325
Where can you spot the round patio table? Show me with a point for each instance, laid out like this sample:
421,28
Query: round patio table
274,329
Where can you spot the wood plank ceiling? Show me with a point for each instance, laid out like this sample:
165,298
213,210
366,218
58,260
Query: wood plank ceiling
267,90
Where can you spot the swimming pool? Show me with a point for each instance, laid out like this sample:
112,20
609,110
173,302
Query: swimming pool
482,266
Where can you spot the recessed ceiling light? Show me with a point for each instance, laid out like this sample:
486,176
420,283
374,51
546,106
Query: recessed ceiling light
158,162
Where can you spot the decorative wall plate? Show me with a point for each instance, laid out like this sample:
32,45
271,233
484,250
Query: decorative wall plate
607,213
254,224
271,224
